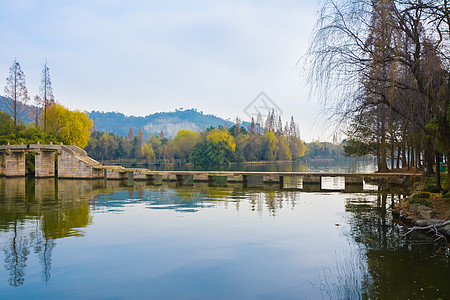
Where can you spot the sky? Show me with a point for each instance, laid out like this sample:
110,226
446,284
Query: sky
143,57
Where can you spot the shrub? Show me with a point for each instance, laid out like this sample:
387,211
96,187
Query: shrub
420,201
430,180
421,196
431,188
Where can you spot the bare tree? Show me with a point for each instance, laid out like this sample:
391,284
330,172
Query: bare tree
16,91
390,59
46,91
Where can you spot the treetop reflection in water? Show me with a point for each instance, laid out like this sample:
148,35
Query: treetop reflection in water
93,240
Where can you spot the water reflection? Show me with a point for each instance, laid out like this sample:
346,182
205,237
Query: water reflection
276,227
397,268
34,214
313,165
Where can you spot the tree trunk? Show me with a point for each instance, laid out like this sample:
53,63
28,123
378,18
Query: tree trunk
448,172
392,154
438,171
404,155
383,164
428,156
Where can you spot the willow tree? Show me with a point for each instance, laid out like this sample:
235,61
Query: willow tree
387,59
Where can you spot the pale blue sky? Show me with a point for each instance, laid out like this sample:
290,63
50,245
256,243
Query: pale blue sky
142,57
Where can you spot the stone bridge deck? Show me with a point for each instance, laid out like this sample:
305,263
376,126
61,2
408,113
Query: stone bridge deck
73,162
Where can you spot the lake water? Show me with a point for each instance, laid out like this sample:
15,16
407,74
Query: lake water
92,239
313,165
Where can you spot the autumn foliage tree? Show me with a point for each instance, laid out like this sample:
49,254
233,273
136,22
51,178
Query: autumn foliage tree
72,127
216,149
184,142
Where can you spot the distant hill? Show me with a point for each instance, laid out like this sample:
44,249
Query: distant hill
169,122
23,112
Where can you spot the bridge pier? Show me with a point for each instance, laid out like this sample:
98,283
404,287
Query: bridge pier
13,163
116,174
312,183
354,184
290,182
253,181
130,178
44,164
185,179
217,181
156,179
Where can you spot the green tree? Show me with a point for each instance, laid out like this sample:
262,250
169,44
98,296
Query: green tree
217,149
6,123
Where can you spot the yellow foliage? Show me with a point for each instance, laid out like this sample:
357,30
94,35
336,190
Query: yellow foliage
147,152
271,145
70,126
217,136
184,141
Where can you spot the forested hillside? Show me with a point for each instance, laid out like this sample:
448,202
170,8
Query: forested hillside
169,122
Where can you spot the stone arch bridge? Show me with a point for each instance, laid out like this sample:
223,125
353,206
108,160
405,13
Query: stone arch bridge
72,161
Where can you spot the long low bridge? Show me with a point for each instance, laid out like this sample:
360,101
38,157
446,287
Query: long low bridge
74,163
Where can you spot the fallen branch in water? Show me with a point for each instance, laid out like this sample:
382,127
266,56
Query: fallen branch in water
434,228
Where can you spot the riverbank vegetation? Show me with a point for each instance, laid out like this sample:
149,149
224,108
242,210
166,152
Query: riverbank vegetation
42,120
382,68
211,148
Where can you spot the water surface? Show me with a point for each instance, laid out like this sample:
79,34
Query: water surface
105,240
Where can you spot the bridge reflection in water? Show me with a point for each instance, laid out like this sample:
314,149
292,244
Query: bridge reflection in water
35,213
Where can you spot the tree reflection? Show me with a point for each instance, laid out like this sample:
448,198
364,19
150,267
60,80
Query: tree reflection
16,255
35,214
399,268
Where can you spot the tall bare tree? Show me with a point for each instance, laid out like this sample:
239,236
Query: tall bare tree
46,92
16,91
